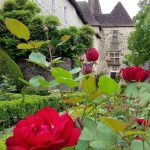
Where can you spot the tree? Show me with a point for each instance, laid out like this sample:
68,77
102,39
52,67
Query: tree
25,11
139,40
81,39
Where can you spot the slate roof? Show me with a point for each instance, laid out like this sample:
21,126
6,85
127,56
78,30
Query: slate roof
95,7
117,18
83,5
78,10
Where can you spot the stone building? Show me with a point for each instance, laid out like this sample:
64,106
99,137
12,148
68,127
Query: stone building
116,28
1,3
70,14
111,30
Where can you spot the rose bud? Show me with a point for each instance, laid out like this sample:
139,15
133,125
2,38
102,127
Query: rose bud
92,54
87,68
142,121
135,73
81,58
139,138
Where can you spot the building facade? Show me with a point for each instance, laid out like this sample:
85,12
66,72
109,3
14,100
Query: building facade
116,28
111,30
70,14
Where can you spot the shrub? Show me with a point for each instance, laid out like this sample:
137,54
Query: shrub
10,69
2,141
25,11
12,111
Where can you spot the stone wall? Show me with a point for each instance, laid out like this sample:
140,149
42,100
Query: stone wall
1,3
105,44
63,9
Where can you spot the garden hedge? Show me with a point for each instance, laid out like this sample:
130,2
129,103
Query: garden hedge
10,69
12,111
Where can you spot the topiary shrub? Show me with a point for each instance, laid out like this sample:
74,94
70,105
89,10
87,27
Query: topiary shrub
10,69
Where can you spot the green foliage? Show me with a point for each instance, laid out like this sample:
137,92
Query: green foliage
2,141
81,39
99,135
108,86
140,38
6,88
10,69
12,111
25,11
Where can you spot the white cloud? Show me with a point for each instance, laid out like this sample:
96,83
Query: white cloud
130,5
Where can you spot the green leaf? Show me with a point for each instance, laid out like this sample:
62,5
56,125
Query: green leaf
114,124
32,45
53,83
43,82
34,81
67,81
89,85
25,46
65,38
82,145
76,70
108,86
131,90
57,60
61,73
106,137
127,133
90,130
144,99
39,81
138,145
64,77
37,58
17,28
101,145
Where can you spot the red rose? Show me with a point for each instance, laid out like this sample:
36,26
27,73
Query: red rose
134,73
87,68
139,138
46,130
142,121
92,54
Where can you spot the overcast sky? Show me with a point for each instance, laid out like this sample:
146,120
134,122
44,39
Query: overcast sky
130,5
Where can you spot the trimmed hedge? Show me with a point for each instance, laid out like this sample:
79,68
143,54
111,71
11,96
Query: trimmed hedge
12,111
10,69
2,141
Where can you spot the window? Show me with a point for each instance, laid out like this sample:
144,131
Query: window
65,15
53,6
115,58
115,37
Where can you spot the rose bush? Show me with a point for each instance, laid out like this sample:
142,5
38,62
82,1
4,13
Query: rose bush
134,73
92,54
46,130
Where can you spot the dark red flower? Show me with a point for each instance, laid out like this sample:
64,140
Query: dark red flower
134,73
92,54
87,68
46,130
142,121
139,138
